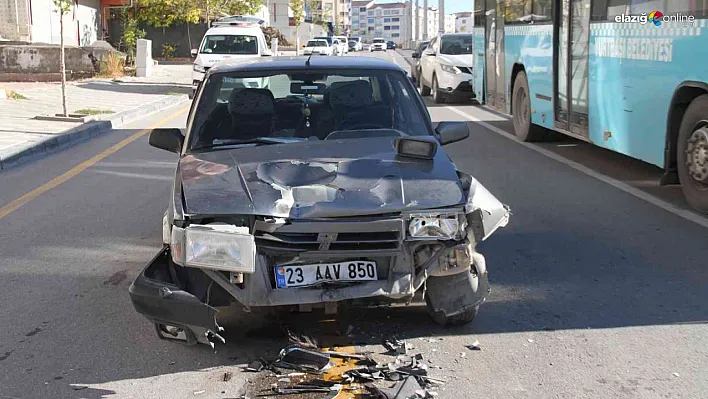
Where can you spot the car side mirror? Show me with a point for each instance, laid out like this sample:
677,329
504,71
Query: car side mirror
452,132
429,53
415,55
194,53
168,139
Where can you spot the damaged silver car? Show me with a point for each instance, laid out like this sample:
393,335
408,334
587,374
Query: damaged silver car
312,183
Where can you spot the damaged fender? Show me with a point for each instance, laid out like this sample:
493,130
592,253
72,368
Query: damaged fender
485,213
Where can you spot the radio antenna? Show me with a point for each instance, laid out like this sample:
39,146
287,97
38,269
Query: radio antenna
307,63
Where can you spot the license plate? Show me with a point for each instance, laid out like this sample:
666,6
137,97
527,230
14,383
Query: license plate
303,275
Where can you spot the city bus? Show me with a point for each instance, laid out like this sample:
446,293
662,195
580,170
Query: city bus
626,75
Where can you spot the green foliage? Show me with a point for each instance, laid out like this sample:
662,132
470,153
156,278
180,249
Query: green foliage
165,13
244,7
169,50
298,9
63,6
131,33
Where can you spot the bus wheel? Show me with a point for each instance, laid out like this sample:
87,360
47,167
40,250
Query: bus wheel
693,154
521,111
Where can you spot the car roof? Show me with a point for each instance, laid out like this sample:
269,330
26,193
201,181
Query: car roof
230,30
298,63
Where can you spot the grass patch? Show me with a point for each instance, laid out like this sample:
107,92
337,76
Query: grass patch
92,111
13,95
112,67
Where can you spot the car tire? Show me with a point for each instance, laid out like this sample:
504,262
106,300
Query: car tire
521,112
438,97
424,90
465,317
693,139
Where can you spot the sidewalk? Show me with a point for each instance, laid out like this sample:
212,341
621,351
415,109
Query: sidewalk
120,101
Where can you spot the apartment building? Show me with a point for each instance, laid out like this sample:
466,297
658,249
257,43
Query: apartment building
463,21
450,23
393,21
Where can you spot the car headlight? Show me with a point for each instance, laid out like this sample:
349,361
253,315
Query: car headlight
436,226
221,247
450,69
198,68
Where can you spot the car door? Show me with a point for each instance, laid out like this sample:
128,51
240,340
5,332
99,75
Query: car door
427,62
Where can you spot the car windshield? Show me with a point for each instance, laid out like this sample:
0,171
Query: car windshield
379,41
230,44
310,105
317,43
455,45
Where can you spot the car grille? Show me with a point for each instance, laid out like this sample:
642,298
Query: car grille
465,69
334,236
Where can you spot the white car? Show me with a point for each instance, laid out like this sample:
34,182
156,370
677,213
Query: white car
318,47
446,67
340,48
359,45
344,41
378,44
227,41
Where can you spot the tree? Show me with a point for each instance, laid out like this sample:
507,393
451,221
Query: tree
298,9
244,7
63,8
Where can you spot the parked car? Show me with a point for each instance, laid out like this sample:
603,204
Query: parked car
446,67
318,47
378,44
232,38
344,41
339,47
351,204
352,45
359,43
415,67
390,45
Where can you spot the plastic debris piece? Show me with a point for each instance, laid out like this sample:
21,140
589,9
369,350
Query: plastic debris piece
255,366
284,379
676,375
474,346
227,376
199,392
303,359
463,354
530,340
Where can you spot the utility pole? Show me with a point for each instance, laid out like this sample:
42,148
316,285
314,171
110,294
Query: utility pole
441,6
425,19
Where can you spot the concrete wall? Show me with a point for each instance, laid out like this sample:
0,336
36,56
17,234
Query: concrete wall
40,22
41,62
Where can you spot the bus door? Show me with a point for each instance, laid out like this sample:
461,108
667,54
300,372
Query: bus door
572,60
494,46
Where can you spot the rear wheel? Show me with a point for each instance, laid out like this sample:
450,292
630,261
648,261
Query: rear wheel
521,112
437,96
692,156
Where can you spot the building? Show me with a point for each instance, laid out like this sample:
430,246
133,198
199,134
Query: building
36,21
450,23
463,21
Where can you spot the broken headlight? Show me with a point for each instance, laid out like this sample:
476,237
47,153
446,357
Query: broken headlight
221,247
436,226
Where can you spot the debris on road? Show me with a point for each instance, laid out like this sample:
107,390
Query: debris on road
394,345
302,359
199,392
474,346
256,365
227,376
676,375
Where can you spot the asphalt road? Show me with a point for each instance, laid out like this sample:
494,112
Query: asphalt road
595,292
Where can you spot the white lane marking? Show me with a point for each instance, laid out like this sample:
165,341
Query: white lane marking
688,215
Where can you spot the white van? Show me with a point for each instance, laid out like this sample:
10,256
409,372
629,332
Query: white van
231,38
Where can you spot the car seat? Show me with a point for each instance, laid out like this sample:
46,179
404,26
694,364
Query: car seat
252,113
352,104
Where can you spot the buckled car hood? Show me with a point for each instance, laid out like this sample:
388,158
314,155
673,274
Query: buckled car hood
315,179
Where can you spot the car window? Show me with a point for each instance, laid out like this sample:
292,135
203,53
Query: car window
379,41
455,45
351,104
316,43
230,44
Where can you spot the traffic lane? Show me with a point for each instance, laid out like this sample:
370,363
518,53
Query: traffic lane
68,258
610,289
634,172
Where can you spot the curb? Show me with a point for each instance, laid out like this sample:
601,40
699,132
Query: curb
79,134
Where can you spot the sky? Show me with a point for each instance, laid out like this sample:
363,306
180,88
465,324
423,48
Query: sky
451,6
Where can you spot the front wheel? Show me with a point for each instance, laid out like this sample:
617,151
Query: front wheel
437,96
521,112
692,156
465,317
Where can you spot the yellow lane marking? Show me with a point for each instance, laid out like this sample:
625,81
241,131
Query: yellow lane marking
59,180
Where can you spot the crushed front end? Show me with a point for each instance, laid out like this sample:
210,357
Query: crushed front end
269,261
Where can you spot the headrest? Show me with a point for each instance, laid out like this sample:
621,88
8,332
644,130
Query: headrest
355,93
251,102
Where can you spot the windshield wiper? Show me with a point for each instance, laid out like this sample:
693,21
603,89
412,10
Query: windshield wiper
257,140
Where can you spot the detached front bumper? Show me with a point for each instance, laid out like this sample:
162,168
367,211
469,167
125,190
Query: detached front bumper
177,314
